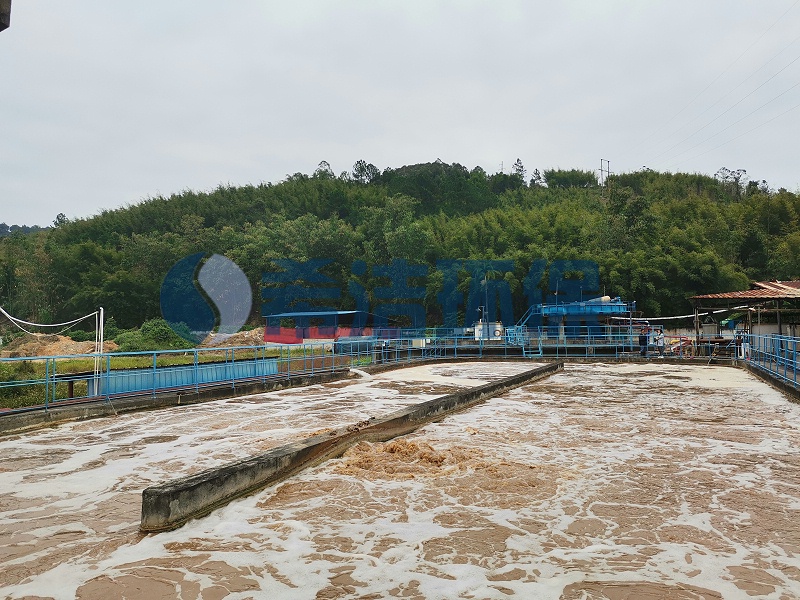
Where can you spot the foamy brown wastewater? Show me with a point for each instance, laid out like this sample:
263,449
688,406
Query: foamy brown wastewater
604,481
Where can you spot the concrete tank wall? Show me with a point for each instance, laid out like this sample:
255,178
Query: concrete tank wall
171,504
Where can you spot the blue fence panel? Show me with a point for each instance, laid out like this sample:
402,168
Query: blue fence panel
130,381
776,355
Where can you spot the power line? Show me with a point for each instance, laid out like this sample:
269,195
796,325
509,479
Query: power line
745,80
736,122
713,81
795,107
16,320
728,110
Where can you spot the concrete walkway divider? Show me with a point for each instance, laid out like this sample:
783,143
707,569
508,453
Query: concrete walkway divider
171,504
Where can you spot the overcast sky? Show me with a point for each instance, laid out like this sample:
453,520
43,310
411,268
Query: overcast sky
108,103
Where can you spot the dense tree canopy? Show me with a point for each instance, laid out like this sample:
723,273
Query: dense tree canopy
658,238
6,229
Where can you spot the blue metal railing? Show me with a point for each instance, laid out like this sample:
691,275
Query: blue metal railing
776,355
47,381
43,382
53,379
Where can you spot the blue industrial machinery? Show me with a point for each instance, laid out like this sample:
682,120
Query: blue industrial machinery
603,317
604,306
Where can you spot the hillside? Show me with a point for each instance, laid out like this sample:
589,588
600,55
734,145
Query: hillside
658,238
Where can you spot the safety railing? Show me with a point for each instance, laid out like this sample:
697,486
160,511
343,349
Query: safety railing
35,383
42,382
776,355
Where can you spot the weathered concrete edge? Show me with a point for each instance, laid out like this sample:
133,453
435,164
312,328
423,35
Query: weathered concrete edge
171,504
20,422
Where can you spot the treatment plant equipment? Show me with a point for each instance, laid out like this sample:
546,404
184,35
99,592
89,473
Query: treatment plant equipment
596,323
584,327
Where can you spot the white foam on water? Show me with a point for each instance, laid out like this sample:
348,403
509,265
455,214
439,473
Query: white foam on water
624,474
84,480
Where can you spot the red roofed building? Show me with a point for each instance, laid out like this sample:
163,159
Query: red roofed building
778,297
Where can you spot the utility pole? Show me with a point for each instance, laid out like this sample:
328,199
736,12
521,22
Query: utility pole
486,291
605,168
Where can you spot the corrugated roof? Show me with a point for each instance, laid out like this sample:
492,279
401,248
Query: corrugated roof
778,285
764,290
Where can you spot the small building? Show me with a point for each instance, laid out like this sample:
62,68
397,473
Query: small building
766,301
327,325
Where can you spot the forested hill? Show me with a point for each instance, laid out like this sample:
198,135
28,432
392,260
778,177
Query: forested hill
658,238
6,229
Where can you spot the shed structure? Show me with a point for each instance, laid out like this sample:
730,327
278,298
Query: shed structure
778,297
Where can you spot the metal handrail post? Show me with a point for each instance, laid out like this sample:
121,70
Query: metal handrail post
46,383
784,355
55,381
233,368
772,353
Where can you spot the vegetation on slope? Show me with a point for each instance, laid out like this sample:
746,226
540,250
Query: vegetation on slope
658,238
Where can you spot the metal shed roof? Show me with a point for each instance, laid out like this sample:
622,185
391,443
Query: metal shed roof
311,314
764,290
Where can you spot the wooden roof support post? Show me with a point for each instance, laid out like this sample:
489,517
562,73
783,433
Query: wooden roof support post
696,324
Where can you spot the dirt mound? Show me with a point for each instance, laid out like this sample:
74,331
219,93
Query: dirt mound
254,337
26,340
38,344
